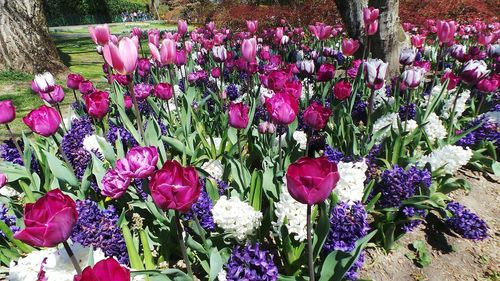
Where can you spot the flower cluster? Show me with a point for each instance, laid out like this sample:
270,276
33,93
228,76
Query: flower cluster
72,145
9,220
450,157
292,214
236,217
465,222
350,187
250,262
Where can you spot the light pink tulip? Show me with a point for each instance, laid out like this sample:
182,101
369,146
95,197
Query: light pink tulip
249,49
123,58
167,52
100,34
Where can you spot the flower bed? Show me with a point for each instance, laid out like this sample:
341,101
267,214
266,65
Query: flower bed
247,155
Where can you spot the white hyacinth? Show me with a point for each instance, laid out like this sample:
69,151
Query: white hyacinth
214,168
222,275
451,157
57,265
236,217
385,123
91,143
351,184
293,212
301,138
381,98
434,128
459,107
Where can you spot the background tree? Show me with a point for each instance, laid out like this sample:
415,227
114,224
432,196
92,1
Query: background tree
387,43
25,44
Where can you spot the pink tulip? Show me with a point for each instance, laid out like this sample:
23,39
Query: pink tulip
453,80
282,107
73,81
316,116
252,25
123,58
188,46
180,58
326,72
249,49
7,112
105,270
86,87
174,187
3,180
310,181
349,46
342,90
49,221
372,28
182,27
215,73
278,34
44,120
418,40
136,31
276,80
164,91
211,26
321,30
488,85
238,115
446,31
154,37
114,184
167,53
370,15
100,34
97,104
485,39
140,162
56,95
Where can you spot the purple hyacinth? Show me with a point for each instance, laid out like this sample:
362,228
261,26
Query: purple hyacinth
72,145
353,272
412,111
250,262
465,222
9,153
333,155
359,111
232,92
222,185
371,161
397,185
489,130
181,85
125,136
99,228
202,209
347,225
9,220
415,215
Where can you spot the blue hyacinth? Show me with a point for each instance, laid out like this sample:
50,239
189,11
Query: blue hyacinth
250,262
466,223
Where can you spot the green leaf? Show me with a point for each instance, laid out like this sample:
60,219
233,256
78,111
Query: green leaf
256,190
60,169
321,230
216,264
496,168
133,254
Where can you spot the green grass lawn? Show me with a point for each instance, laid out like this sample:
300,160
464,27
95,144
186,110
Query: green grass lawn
78,52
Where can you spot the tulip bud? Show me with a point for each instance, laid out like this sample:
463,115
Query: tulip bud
453,80
342,90
372,28
44,120
407,56
252,25
127,100
123,58
493,50
215,72
181,27
97,104
307,66
349,46
219,53
321,31
44,82
86,87
143,67
238,115
375,70
8,112
164,91
73,81
249,49
446,31
370,15
412,77
100,34
3,180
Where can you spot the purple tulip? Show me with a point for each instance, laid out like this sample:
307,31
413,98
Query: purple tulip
140,162
114,184
44,120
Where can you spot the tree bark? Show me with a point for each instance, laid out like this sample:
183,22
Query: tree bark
25,43
390,38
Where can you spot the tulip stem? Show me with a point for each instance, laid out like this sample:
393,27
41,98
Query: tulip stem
309,245
182,245
240,151
72,258
14,140
480,104
60,113
136,108
279,149
77,101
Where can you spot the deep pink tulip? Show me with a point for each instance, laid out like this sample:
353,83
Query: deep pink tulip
488,85
182,27
123,80
316,116
86,87
249,49
127,100
180,58
136,31
3,180
164,91
167,52
342,90
100,34
372,28
97,104
349,46
252,25
114,184
238,115
143,67
453,79
174,187
44,120
485,39
326,72
276,80
7,112
293,88
142,90
54,96
418,40
123,58
140,162
49,221
282,107
446,31
215,72
370,15
73,81
321,31
211,26
311,180
105,270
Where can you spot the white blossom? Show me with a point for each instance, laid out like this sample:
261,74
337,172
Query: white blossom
459,107
236,217
214,168
451,157
301,138
385,123
351,185
293,212
381,98
91,143
434,128
222,275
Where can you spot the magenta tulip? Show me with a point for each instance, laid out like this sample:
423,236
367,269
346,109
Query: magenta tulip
3,180
252,25
182,27
154,37
488,85
143,67
311,180
86,87
276,80
174,187
370,15
142,90
326,72
100,34
164,91
446,31
166,54
73,81
473,71
139,163
418,40
97,104
44,120
349,46
114,184
282,107
7,112
238,115
105,270
49,221
123,58
372,28
56,95
342,90
316,116
249,49
321,31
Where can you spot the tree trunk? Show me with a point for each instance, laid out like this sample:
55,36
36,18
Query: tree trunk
390,39
25,44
